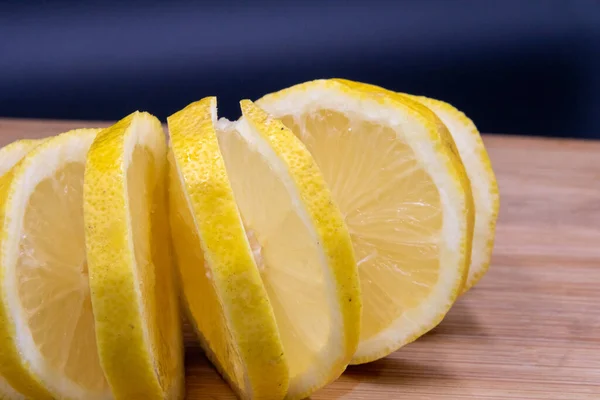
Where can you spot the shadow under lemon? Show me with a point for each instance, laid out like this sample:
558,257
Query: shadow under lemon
416,365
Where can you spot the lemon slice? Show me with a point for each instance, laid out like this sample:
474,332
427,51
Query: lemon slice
221,284
132,281
47,336
7,392
301,245
483,183
447,140
9,156
13,153
404,196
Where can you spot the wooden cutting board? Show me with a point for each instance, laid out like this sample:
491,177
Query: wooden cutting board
529,330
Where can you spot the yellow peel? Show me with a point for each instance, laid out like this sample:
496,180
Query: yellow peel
221,284
308,264
132,279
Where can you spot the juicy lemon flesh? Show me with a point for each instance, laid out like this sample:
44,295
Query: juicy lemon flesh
147,205
53,280
285,252
391,206
204,305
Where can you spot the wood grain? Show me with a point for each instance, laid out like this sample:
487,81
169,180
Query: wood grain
529,330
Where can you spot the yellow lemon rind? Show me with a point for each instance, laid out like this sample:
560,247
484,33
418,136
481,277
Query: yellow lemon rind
199,169
480,162
13,152
126,351
332,235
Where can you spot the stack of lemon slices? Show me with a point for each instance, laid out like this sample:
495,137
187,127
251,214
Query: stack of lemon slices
333,223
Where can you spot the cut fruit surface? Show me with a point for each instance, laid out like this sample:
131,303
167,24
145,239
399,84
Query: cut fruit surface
8,393
132,279
301,246
47,335
222,287
9,156
13,153
404,195
483,183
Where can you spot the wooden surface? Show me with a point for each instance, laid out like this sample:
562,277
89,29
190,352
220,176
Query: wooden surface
529,330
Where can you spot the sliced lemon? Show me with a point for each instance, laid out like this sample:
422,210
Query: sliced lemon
132,279
222,287
446,139
301,245
47,336
9,156
13,153
404,196
483,183
7,392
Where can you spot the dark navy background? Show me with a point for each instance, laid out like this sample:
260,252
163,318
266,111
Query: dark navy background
515,66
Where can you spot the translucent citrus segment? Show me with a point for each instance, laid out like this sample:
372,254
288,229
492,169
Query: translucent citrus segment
53,266
286,254
222,286
132,279
394,212
402,196
483,183
300,243
440,132
48,333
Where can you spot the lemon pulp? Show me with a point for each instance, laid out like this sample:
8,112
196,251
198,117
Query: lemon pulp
285,250
390,204
52,278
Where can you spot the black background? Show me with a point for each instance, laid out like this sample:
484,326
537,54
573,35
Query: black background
520,67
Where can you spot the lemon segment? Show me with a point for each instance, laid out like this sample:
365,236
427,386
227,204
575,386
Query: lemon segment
404,196
132,279
483,183
442,134
301,246
47,335
222,287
